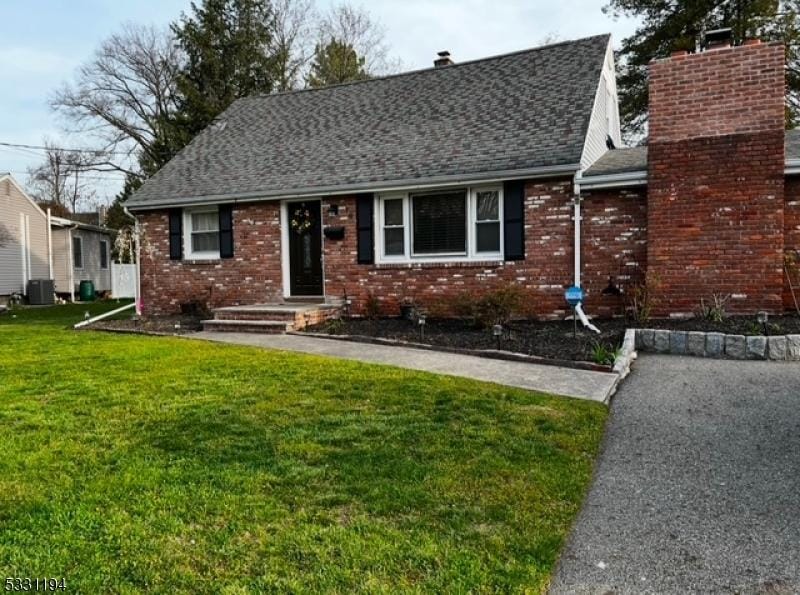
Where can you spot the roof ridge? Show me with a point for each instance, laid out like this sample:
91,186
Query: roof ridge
427,69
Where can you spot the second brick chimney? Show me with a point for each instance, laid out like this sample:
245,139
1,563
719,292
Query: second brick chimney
716,178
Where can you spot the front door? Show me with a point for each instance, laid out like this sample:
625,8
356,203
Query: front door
305,248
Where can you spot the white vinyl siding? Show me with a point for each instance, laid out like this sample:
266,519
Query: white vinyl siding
92,266
23,240
604,120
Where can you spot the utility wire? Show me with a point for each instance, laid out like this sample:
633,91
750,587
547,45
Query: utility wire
43,148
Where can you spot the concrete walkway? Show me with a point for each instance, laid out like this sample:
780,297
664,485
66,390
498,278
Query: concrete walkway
581,384
697,488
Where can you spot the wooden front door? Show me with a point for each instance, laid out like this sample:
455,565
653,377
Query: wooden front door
305,248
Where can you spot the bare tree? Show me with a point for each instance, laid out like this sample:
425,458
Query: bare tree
123,95
353,26
292,40
59,180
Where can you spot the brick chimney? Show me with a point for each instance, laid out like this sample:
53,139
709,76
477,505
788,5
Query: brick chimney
716,177
443,59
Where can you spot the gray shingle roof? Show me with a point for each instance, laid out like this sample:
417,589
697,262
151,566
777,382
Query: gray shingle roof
515,112
618,161
633,159
792,144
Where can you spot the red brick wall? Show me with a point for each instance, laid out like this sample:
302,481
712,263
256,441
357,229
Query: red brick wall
613,246
614,241
543,275
715,195
791,222
253,276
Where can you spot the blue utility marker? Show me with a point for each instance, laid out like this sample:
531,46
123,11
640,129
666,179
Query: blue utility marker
574,295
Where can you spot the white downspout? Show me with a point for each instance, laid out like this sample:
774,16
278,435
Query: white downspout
137,292
71,266
577,251
50,244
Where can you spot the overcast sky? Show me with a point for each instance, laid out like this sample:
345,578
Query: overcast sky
43,41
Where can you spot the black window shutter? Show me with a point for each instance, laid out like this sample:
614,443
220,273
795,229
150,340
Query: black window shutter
175,234
364,225
514,220
226,231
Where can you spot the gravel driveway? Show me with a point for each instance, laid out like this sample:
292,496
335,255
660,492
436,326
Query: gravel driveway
698,485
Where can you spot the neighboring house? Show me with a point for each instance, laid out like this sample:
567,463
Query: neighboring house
81,252
463,177
24,237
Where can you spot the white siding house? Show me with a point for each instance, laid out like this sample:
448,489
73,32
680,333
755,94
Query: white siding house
24,239
81,252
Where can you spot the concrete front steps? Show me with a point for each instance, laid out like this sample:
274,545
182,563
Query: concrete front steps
270,318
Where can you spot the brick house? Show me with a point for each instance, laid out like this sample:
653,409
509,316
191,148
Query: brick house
462,177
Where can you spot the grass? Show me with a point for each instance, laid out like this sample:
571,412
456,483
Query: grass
156,464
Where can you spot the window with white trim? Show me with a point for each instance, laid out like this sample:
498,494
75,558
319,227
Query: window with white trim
201,233
394,229
77,252
103,254
447,225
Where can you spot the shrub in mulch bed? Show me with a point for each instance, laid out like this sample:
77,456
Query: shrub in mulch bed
548,339
156,325
552,340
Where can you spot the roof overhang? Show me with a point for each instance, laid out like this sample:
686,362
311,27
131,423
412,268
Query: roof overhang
622,180
566,170
792,167
69,223
639,178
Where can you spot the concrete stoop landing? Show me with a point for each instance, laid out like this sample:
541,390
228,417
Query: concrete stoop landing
270,318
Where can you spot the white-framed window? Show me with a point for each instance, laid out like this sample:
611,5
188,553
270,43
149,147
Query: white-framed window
103,254
448,225
77,252
201,233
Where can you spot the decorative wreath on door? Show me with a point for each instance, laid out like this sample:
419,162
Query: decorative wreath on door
301,220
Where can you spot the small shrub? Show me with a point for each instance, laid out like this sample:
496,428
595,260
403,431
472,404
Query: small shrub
604,355
495,306
714,310
643,297
372,307
334,327
498,306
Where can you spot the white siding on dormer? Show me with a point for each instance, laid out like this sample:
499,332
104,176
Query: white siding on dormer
604,120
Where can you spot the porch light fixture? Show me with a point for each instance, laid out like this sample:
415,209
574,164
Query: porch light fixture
497,331
762,320
333,210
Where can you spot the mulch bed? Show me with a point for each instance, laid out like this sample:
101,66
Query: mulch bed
552,340
153,325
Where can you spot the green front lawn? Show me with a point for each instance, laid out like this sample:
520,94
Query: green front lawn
132,463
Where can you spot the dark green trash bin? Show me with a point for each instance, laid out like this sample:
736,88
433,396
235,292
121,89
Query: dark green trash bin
87,291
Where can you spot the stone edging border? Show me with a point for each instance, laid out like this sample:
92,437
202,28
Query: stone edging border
718,345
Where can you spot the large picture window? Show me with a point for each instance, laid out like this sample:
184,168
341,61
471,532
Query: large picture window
202,233
440,223
447,225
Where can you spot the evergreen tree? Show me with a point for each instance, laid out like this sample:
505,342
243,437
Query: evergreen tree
669,26
335,62
226,48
